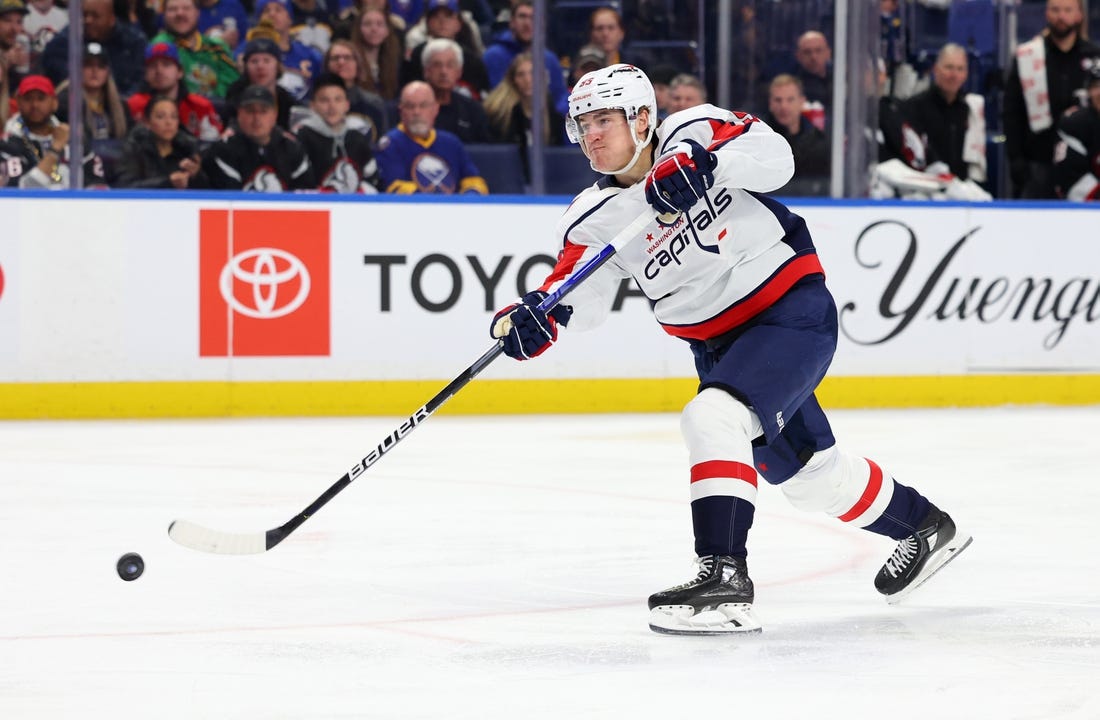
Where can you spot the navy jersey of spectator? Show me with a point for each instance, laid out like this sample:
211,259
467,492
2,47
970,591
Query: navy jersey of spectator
221,18
437,164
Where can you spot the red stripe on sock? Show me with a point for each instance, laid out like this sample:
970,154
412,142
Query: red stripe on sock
869,494
723,469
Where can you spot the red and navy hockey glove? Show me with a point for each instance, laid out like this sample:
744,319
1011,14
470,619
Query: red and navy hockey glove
680,177
526,330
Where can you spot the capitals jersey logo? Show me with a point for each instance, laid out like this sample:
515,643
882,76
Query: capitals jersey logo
683,233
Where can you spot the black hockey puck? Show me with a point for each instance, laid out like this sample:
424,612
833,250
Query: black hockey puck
130,566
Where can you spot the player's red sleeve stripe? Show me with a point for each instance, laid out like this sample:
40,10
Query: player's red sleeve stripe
725,131
567,262
869,494
761,300
723,469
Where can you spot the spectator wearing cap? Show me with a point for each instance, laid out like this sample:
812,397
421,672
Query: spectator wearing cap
226,20
258,156
414,157
458,113
1077,154
158,153
15,56
343,60
444,20
208,66
588,58
263,67
164,76
105,116
336,142
516,39
510,108
125,45
300,62
43,140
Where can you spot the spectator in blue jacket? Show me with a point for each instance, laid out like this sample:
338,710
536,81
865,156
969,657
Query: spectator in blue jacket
517,39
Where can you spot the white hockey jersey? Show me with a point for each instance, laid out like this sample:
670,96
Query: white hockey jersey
730,257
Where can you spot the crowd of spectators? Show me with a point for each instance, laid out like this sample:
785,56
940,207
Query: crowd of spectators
363,96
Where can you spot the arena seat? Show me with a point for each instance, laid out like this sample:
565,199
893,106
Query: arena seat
500,166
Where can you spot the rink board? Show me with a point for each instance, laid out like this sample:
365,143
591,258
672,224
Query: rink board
146,305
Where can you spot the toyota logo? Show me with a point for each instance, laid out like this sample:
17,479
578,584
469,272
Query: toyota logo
265,270
1,281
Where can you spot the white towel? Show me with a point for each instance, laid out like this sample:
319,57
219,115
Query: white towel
974,139
1031,63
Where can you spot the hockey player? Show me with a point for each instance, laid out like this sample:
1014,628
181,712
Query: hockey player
736,275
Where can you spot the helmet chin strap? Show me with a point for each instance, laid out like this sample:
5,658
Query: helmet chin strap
638,147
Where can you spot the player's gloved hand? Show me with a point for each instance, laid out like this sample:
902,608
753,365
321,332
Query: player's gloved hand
526,330
680,177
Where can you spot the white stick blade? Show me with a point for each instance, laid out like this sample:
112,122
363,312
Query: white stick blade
203,539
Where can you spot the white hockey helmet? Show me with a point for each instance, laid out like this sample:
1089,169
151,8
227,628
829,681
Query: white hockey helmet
616,87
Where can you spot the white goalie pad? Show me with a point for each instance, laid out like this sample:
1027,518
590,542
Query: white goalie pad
726,619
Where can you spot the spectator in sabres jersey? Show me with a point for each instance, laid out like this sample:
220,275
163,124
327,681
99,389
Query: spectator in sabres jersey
258,156
208,67
336,142
300,61
414,157
164,76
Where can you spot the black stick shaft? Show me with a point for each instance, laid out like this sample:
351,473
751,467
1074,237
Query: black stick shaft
277,535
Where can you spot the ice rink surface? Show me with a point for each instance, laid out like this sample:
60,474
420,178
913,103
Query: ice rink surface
499,567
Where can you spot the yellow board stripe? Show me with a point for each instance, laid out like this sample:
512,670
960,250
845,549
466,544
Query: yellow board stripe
332,398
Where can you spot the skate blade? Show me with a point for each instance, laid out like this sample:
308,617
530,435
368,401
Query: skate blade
958,544
726,619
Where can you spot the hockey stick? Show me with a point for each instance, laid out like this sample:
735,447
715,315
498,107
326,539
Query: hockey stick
198,537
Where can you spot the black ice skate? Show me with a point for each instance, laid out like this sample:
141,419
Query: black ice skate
718,601
919,556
